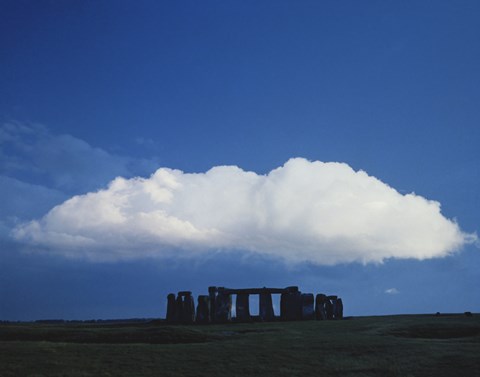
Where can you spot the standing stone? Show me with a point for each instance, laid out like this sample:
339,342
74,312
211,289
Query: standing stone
287,313
266,307
283,306
223,307
212,292
189,309
334,308
171,308
333,301
329,308
320,313
180,309
339,309
308,312
242,306
291,306
203,310
185,307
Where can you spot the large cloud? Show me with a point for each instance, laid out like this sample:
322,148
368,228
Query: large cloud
324,213
40,169
22,201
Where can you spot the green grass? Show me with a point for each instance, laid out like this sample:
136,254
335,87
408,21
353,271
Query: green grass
363,346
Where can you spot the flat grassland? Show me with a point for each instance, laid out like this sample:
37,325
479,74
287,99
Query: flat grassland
414,345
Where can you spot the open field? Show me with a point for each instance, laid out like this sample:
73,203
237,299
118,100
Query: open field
447,345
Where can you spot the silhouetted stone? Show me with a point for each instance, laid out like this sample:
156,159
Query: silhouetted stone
291,289
266,307
189,309
216,307
308,306
329,308
185,307
180,309
334,307
203,310
333,301
468,314
171,309
223,307
320,309
291,306
339,309
242,306
283,306
212,293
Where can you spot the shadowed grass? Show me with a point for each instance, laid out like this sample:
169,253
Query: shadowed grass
139,333
366,346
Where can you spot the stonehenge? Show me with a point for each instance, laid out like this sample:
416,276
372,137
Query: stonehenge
291,306
203,310
308,311
184,308
223,307
320,307
243,307
216,307
266,307
171,308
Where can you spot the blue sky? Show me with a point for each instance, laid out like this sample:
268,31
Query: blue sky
94,91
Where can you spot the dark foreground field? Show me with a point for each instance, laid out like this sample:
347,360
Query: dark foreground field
363,346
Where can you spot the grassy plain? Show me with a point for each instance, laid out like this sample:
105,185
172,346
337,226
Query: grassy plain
362,346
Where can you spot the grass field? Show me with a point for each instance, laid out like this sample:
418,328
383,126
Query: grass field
447,345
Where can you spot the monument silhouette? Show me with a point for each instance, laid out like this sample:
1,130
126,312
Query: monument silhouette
216,307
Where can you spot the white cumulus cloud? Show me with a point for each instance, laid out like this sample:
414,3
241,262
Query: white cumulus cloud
323,213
